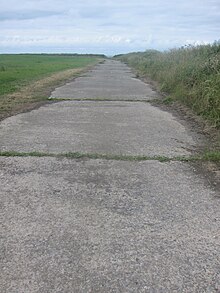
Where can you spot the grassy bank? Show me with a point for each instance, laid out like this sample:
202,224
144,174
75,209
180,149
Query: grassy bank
26,80
189,74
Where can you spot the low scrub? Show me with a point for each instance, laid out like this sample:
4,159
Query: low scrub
190,74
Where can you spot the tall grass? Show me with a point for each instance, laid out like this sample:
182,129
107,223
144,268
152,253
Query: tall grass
190,74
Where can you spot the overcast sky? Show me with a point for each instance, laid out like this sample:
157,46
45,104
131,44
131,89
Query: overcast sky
109,27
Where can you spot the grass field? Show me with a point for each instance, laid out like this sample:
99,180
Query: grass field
189,74
18,70
26,80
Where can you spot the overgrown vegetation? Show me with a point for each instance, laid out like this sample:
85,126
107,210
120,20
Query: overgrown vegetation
190,74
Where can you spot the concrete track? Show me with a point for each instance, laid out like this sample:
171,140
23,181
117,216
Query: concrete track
96,225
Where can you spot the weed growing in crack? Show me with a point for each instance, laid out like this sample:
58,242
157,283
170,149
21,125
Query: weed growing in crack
213,156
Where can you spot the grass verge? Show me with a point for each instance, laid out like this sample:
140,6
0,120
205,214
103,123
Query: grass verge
17,71
27,80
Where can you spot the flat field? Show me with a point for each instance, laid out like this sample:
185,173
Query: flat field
19,70
27,79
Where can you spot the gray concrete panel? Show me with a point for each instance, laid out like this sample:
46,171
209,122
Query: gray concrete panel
122,128
97,226
109,80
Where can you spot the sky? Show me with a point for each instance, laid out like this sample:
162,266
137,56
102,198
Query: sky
106,27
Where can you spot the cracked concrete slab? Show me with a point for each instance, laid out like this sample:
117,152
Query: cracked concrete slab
97,226
109,80
121,128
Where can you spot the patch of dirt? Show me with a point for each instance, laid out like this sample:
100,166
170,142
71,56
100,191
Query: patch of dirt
210,172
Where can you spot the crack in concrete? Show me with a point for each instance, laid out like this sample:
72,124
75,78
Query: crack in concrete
103,100
77,155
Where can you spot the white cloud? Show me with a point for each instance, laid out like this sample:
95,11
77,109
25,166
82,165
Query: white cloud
37,25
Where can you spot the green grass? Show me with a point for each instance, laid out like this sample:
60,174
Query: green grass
212,156
208,156
189,74
19,70
26,81
78,155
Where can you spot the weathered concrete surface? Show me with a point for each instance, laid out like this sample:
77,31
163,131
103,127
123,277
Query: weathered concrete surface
97,226
105,226
121,128
110,80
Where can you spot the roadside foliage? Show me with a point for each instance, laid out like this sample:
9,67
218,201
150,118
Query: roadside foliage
190,74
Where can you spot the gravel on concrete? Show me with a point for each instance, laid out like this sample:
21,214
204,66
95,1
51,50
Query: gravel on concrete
97,226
